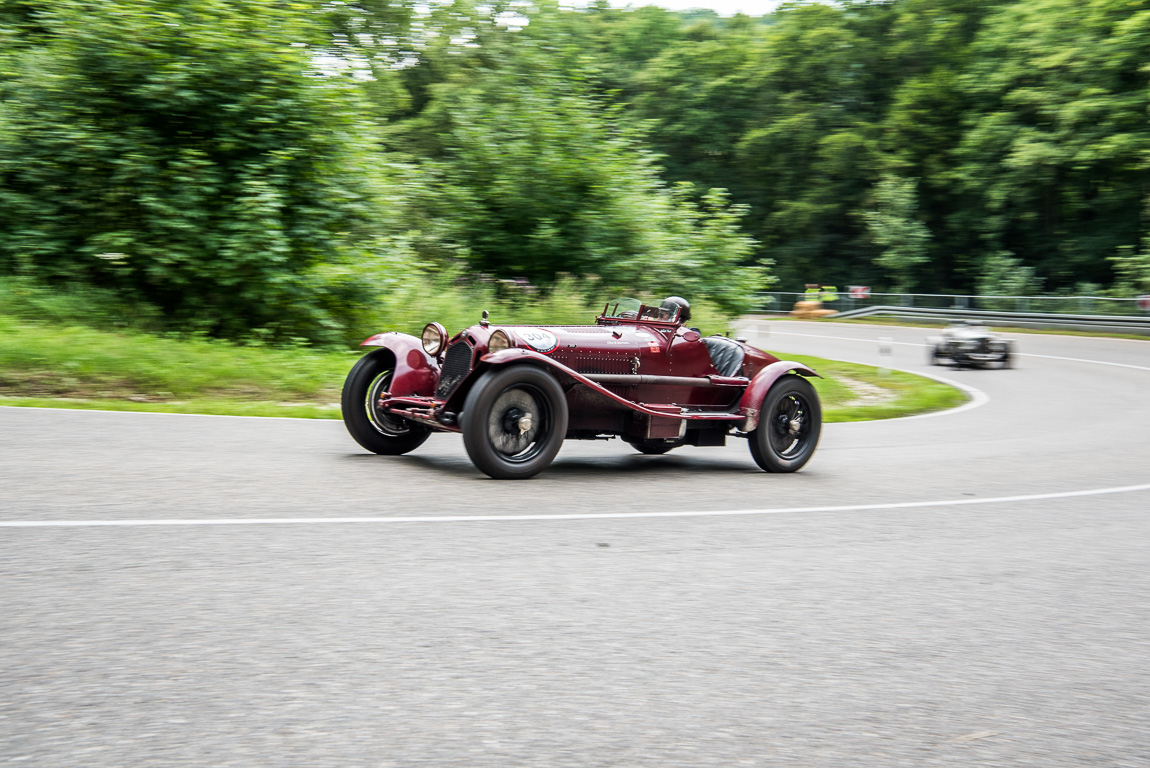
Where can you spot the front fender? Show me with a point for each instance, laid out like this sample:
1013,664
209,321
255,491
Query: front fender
416,372
752,399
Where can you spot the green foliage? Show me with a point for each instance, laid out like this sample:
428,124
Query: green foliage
44,359
182,154
893,225
24,299
1056,150
1004,275
535,175
52,365
456,301
1133,271
318,170
900,393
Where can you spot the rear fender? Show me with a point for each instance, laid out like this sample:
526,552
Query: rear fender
416,372
752,399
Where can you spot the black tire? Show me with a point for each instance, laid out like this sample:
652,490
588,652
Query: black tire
653,447
376,431
778,444
932,356
495,435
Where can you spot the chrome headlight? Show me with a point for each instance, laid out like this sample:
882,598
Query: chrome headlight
498,342
434,337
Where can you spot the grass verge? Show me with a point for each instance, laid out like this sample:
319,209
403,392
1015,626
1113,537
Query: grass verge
59,366
853,392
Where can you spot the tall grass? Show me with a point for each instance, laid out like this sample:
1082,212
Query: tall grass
78,348
454,300
457,303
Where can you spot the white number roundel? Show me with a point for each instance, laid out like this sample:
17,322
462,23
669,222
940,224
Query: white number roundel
538,339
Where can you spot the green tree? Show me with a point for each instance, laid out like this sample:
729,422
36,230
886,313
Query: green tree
1055,158
893,225
534,174
1004,275
187,154
1132,266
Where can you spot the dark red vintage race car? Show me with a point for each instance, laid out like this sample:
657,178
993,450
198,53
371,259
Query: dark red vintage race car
517,392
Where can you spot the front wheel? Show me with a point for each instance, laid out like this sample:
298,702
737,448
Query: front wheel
375,429
790,422
514,421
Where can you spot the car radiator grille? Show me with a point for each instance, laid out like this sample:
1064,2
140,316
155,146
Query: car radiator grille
456,365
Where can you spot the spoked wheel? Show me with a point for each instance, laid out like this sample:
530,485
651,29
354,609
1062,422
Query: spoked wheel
789,426
374,429
514,421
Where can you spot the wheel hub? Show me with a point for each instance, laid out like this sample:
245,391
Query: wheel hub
514,425
516,420
788,426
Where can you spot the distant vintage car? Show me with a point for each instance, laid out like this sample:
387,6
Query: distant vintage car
969,343
517,392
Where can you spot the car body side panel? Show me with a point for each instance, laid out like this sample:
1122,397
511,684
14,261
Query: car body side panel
752,399
416,372
641,401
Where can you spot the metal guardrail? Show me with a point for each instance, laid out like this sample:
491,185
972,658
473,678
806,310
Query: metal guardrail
1113,315
1133,325
842,301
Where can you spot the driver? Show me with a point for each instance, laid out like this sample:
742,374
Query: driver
673,304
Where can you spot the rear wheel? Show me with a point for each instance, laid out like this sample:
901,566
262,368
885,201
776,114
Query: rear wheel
514,421
375,429
789,426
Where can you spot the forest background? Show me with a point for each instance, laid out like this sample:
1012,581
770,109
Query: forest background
316,171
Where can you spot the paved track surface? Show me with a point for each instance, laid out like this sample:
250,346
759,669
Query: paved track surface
974,632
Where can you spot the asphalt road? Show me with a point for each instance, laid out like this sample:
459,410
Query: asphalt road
970,588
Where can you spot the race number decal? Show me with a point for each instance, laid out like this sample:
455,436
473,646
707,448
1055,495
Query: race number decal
538,339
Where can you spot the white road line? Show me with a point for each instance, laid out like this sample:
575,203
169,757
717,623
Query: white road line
583,516
1083,360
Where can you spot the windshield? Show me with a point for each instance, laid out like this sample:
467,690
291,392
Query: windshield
633,309
624,308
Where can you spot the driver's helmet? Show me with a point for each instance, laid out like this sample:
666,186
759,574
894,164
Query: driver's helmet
671,304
